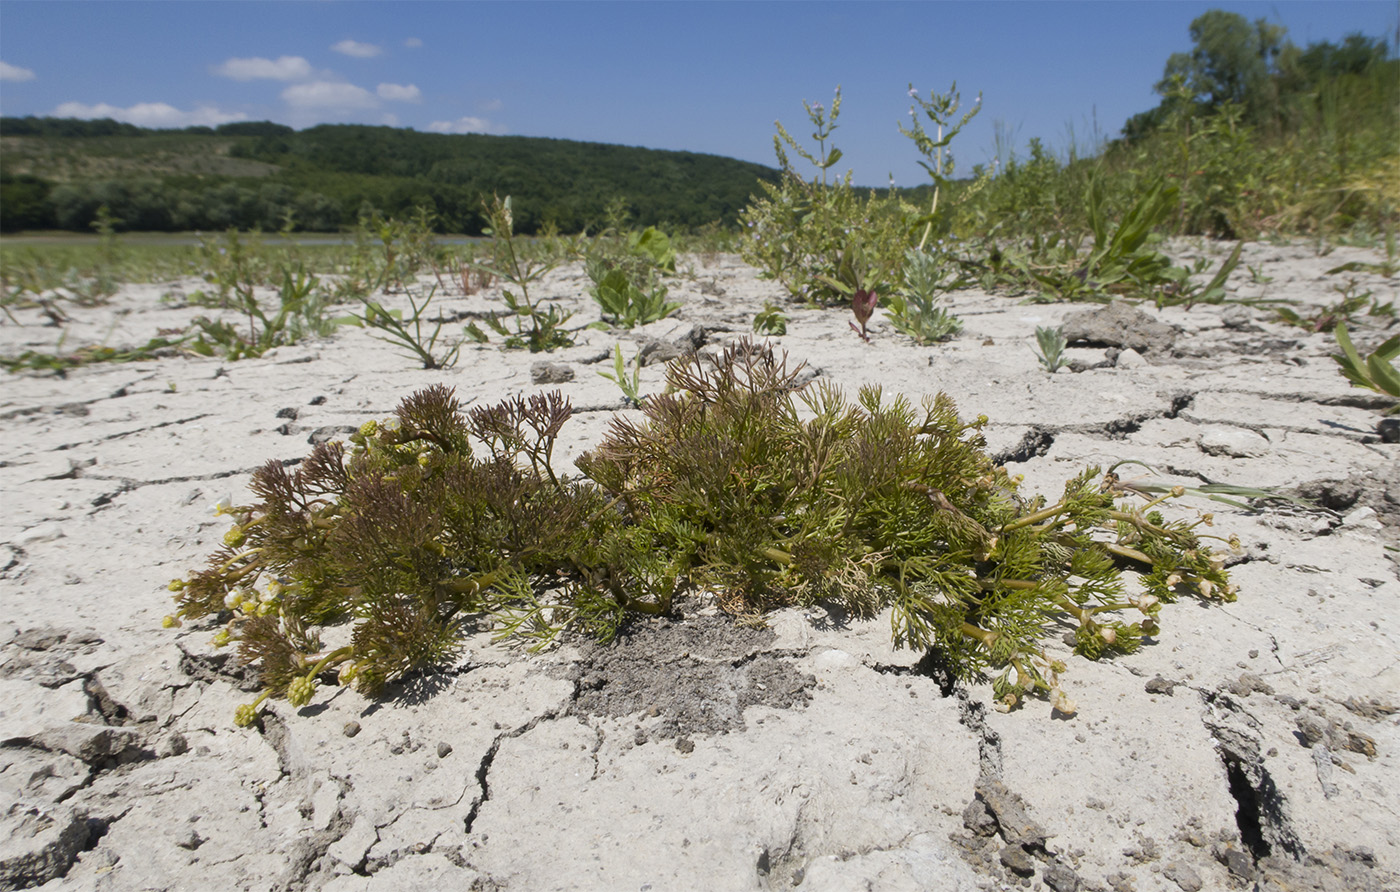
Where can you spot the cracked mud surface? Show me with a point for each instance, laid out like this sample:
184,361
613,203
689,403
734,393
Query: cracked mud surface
695,676
1253,745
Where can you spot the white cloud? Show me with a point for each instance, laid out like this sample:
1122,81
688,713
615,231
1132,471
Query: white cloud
400,93
413,43
10,72
490,105
150,114
284,68
467,124
390,120
357,49
328,94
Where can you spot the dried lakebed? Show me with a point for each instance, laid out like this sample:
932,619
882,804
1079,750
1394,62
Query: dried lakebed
1250,745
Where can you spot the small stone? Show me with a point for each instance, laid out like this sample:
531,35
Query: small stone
1017,860
1389,430
551,373
1248,683
444,750
1159,685
1184,876
1131,359
1311,729
190,840
174,745
1363,518
685,744
1232,441
640,737
350,729
1238,863
44,532
1061,878
1238,318
978,819
289,412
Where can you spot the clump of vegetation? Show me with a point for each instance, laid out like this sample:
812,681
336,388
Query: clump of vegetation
820,238
1376,371
915,309
735,482
528,322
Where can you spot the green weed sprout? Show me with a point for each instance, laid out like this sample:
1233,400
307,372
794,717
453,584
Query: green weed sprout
771,320
624,304
914,309
1051,343
736,482
629,384
1375,371
533,327
301,312
411,334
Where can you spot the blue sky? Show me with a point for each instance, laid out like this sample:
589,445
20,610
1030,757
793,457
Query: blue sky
699,76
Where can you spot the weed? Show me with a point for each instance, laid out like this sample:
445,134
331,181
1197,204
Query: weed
531,326
1376,372
1051,348
629,384
411,334
770,320
914,308
734,482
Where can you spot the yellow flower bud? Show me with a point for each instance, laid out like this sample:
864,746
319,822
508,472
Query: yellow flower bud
1178,491
177,585
245,715
169,622
301,690
369,428
235,537
221,638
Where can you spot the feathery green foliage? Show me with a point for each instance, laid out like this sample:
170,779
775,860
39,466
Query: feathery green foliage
735,482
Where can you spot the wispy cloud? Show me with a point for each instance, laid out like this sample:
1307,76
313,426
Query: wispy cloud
150,114
357,49
490,105
329,94
400,92
10,72
413,43
468,124
284,68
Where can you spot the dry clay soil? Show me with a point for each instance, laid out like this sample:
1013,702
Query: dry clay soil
1251,745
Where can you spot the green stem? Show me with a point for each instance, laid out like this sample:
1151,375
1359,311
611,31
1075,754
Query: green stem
1034,517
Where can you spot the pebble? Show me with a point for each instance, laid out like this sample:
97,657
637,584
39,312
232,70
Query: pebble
351,729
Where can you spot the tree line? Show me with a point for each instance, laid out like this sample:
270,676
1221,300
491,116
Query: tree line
326,178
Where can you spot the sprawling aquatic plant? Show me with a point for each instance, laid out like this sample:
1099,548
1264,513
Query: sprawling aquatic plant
736,482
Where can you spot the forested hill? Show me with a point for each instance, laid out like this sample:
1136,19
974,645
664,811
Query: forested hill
56,172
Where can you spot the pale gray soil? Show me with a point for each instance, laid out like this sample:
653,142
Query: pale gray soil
1253,745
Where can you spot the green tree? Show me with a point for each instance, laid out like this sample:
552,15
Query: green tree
1232,60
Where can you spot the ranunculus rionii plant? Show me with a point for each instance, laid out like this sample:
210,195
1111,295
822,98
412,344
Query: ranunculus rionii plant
735,482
